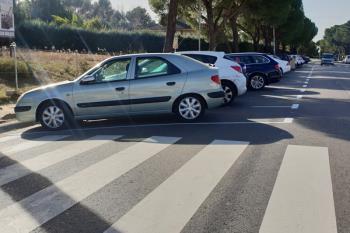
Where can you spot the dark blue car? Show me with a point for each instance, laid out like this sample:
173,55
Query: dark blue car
261,70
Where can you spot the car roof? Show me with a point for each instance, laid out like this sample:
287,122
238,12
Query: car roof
247,53
212,53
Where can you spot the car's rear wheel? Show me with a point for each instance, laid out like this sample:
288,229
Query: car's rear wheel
190,108
54,116
230,92
257,82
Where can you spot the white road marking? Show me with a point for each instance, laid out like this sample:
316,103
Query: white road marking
299,97
288,120
302,198
304,85
8,138
272,106
171,205
295,106
28,144
302,90
15,171
31,212
306,82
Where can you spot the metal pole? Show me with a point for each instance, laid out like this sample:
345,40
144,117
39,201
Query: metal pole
13,45
274,40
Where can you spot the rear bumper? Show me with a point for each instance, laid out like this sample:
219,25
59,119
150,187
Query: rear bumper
274,77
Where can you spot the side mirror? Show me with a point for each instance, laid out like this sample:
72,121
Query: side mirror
87,79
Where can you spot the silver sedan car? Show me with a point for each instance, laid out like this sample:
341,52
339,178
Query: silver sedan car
126,85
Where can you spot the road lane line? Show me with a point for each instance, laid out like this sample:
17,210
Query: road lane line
306,82
302,90
171,205
302,198
18,170
271,106
28,144
31,212
288,120
304,85
299,97
295,106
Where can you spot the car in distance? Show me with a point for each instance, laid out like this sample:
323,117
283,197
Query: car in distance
327,59
285,66
126,85
347,59
233,80
261,70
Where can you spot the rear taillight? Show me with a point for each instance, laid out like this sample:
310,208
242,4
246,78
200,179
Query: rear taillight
216,79
237,68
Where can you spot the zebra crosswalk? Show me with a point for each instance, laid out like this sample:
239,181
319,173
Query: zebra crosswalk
301,200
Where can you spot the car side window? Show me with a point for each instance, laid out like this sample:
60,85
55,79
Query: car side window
207,59
260,60
147,67
245,60
115,70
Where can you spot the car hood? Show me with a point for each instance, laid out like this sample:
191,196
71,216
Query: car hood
52,86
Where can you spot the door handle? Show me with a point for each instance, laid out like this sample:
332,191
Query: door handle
171,83
120,89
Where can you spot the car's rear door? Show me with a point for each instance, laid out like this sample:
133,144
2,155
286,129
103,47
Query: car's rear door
108,95
155,85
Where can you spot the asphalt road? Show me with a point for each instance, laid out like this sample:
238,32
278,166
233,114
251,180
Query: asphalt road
276,161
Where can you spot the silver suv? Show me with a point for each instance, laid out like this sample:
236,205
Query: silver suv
126,85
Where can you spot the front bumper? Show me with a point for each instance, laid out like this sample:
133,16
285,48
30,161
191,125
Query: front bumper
25,113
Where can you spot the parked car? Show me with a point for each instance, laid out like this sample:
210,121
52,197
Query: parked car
306,59
293,62
261,69
347,59
284,65
231,74
126,85
327,59
299,60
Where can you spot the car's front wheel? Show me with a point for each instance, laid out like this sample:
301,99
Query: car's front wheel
54,116
190,108
257,82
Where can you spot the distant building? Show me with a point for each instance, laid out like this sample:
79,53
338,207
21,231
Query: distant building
7,26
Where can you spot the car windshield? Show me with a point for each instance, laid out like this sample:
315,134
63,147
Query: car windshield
327,56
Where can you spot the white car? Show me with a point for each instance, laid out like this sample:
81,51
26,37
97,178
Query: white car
299,60
285,66
233,80
347,59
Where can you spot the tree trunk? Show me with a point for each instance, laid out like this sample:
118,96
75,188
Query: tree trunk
171,26
211,24
235,36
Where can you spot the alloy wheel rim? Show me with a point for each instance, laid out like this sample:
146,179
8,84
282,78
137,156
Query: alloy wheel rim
190,108
53,117
228,94
257,82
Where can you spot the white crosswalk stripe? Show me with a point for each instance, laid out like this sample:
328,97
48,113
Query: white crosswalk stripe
302,198
8,138
46,204
35,164
169,207
23,145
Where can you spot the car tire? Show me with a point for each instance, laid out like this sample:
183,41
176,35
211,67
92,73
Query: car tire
281,70
230,92
257,82
189,108
55,116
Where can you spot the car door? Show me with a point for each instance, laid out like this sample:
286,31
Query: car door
245,60
156,83
108,94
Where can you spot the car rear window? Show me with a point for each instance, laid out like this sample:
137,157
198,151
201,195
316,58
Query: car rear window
240,59
203,58
260,60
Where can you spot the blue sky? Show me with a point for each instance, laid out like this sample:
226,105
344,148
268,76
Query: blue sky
325,13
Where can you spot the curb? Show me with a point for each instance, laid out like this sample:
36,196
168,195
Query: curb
14,125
